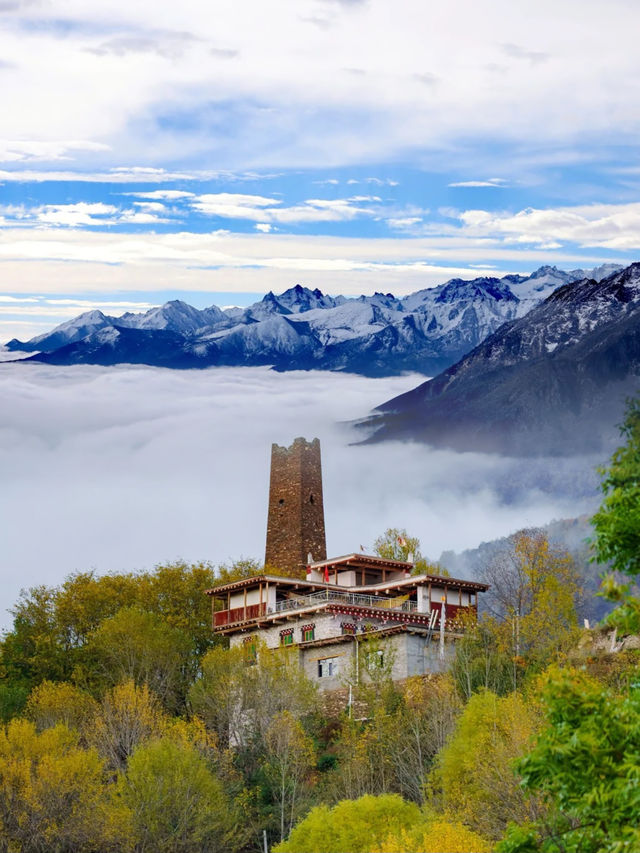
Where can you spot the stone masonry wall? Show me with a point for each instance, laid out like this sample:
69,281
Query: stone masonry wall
295,525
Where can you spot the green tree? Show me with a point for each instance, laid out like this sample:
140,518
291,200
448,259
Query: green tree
289,758
484,657
586,764
617,522
239,701
357,826
396,544
178,805
142,646
34,649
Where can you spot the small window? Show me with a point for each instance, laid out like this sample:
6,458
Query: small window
286,637
250,649
348,628
375,660
281,501
311,500
327,667
308,633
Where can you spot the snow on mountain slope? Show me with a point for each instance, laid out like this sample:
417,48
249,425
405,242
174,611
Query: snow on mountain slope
551,382
174,316
66,333
304,329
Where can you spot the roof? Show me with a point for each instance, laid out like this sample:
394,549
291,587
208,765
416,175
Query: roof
383,586
256,579
363,561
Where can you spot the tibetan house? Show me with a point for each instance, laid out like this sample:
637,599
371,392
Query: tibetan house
342,602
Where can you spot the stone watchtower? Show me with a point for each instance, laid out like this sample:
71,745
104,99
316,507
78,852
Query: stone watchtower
295,527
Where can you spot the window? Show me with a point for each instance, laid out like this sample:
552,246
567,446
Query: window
375,660
286,637
327,667
308,633
250,649
348,628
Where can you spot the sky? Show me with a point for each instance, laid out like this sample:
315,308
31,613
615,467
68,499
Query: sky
122,468
214,151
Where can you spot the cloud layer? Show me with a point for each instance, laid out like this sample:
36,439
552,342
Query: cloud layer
122,468
99,81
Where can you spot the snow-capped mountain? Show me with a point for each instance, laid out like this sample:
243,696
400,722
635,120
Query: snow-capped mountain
553,381
306,329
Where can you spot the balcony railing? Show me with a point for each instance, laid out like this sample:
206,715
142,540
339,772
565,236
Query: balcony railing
329,596
354,599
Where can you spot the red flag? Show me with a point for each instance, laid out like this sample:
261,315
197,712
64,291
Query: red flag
326,574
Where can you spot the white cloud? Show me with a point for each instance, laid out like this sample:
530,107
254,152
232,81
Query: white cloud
54,260
72,215
136,457
607,226
264,227
253,207
116,176
489,182
166,195
288,102
151,206
28,150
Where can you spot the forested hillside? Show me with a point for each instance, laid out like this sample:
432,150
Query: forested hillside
127,727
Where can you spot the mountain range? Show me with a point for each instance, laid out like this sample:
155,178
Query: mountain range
303,329
552,382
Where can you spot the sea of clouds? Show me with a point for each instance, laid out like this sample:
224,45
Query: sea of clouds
121,468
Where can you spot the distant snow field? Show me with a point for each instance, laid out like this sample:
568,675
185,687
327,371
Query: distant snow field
121,468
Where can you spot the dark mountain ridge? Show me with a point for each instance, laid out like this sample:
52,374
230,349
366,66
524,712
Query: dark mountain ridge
552,382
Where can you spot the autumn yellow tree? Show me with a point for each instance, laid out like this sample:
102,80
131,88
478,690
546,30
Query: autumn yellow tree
54,795
473,777
126,717
534,589
51,703
436,835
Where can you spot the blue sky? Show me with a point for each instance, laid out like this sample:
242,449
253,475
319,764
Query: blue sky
212,152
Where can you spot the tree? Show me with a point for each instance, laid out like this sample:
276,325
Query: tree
34,649
178,805
396,544
51,703
289,757
533,592
473,778
421,728
54,795
434,836
585,763
138,645
357,826
484,657
128,716
617,522
239,701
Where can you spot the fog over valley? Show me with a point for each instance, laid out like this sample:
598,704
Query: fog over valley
122,468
